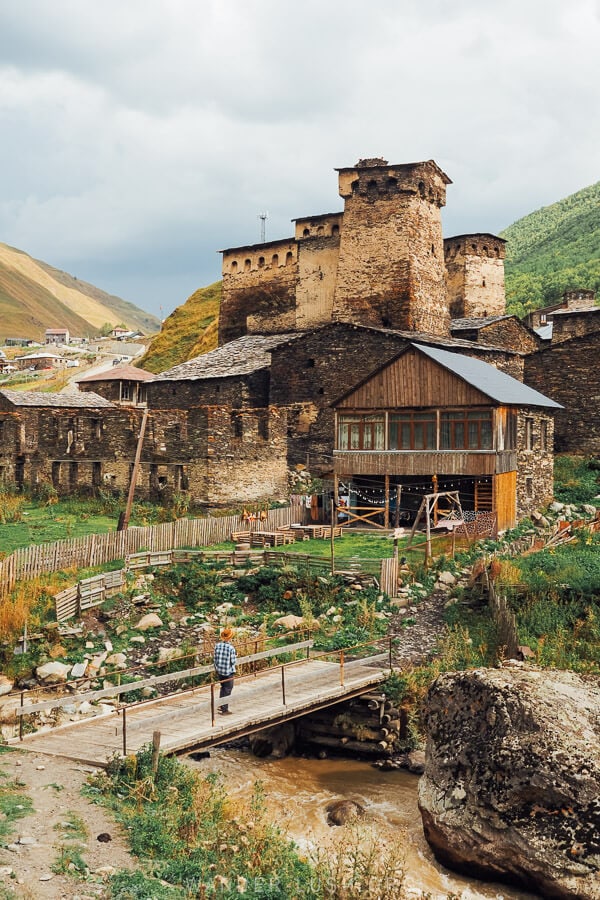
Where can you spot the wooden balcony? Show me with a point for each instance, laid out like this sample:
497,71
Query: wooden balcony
424,462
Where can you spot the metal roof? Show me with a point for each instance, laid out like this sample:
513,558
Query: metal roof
490,381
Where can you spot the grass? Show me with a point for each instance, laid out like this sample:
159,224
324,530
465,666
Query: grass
576,479
14,805
195,841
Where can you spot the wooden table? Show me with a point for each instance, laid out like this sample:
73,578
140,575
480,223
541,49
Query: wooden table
272,538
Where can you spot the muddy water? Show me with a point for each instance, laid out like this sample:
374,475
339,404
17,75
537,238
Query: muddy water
299,789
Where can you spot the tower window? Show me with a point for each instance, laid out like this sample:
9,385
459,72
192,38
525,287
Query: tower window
335,230
261,262
320,230
289,258
483,282
247,265
310,363
372,189
275,260
234,266
306,232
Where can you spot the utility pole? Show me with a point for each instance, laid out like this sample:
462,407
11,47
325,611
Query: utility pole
263,226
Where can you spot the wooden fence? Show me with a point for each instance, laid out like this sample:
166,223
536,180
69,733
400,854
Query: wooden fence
96,549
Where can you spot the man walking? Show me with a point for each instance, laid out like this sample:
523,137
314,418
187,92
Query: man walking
224,661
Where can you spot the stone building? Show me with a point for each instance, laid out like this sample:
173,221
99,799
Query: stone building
303,320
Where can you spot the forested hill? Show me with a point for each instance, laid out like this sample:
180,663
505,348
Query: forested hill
552,250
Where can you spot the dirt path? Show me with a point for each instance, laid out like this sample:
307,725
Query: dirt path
417,641
54,786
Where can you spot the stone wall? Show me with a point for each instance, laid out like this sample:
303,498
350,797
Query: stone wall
569,373
509,333
317,271
475,275
535,460
242,390
259,289
567,324
391,269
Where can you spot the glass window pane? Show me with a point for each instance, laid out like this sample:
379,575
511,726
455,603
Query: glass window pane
343,436
445,435
354,436
405,436
430,445
379,435
486,435
473,436
459,436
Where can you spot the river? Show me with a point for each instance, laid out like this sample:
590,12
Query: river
298,790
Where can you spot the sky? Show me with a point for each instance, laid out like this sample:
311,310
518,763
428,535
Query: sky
138,138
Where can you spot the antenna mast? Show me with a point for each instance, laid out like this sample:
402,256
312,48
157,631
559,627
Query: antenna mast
263,226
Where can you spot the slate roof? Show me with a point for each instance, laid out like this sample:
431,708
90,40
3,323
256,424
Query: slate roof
475,322
83,400
574,312
243,356
119,373
490,381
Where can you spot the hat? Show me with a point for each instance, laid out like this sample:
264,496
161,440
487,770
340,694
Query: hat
227,634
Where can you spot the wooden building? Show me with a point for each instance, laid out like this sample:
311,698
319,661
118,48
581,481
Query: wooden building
124,385
429,420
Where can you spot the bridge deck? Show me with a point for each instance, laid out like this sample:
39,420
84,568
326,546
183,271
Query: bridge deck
184,719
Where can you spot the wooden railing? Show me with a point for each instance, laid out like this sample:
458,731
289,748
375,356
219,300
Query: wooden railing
96,549
346,657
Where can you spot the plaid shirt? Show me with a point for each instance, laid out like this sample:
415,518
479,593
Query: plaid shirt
225,658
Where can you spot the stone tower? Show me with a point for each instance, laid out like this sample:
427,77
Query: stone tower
475,279
391,271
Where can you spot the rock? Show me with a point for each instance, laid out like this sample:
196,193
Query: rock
78,670
589,510
116,659
166,654
120,629
400,602
340,812
415,762
6,685
276,741
289,622
85,708
511,789
446,578
151,620
5,871
52,673
137,639
557,507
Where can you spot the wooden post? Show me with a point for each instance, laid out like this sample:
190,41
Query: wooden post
126,515
155,753
397,516
434,481
124,712
342,668
427,535
283,684
21,717
386,514
390,640
333,523
212,702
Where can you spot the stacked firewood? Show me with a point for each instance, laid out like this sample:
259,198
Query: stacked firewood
367,725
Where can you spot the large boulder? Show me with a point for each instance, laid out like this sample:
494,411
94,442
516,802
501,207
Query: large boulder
511,789
341,812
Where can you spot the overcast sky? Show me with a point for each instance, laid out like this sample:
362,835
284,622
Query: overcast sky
138,137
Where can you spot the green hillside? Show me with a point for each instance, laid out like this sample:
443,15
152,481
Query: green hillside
552,250
137,319
35,296
189,331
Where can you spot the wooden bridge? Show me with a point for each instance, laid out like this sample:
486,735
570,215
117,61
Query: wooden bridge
189,719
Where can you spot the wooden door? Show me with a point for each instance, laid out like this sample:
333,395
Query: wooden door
505,500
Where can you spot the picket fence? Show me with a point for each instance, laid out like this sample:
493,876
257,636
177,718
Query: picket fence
28,563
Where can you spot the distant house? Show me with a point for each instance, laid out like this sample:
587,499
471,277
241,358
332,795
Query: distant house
434,420
124,385
20,342
57,336
576,314
41,360
120,332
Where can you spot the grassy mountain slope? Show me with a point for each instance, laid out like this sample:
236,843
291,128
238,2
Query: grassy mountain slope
33,297
137,319
189,331
552,250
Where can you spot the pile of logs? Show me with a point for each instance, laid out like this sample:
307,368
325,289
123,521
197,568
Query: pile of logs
368,725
